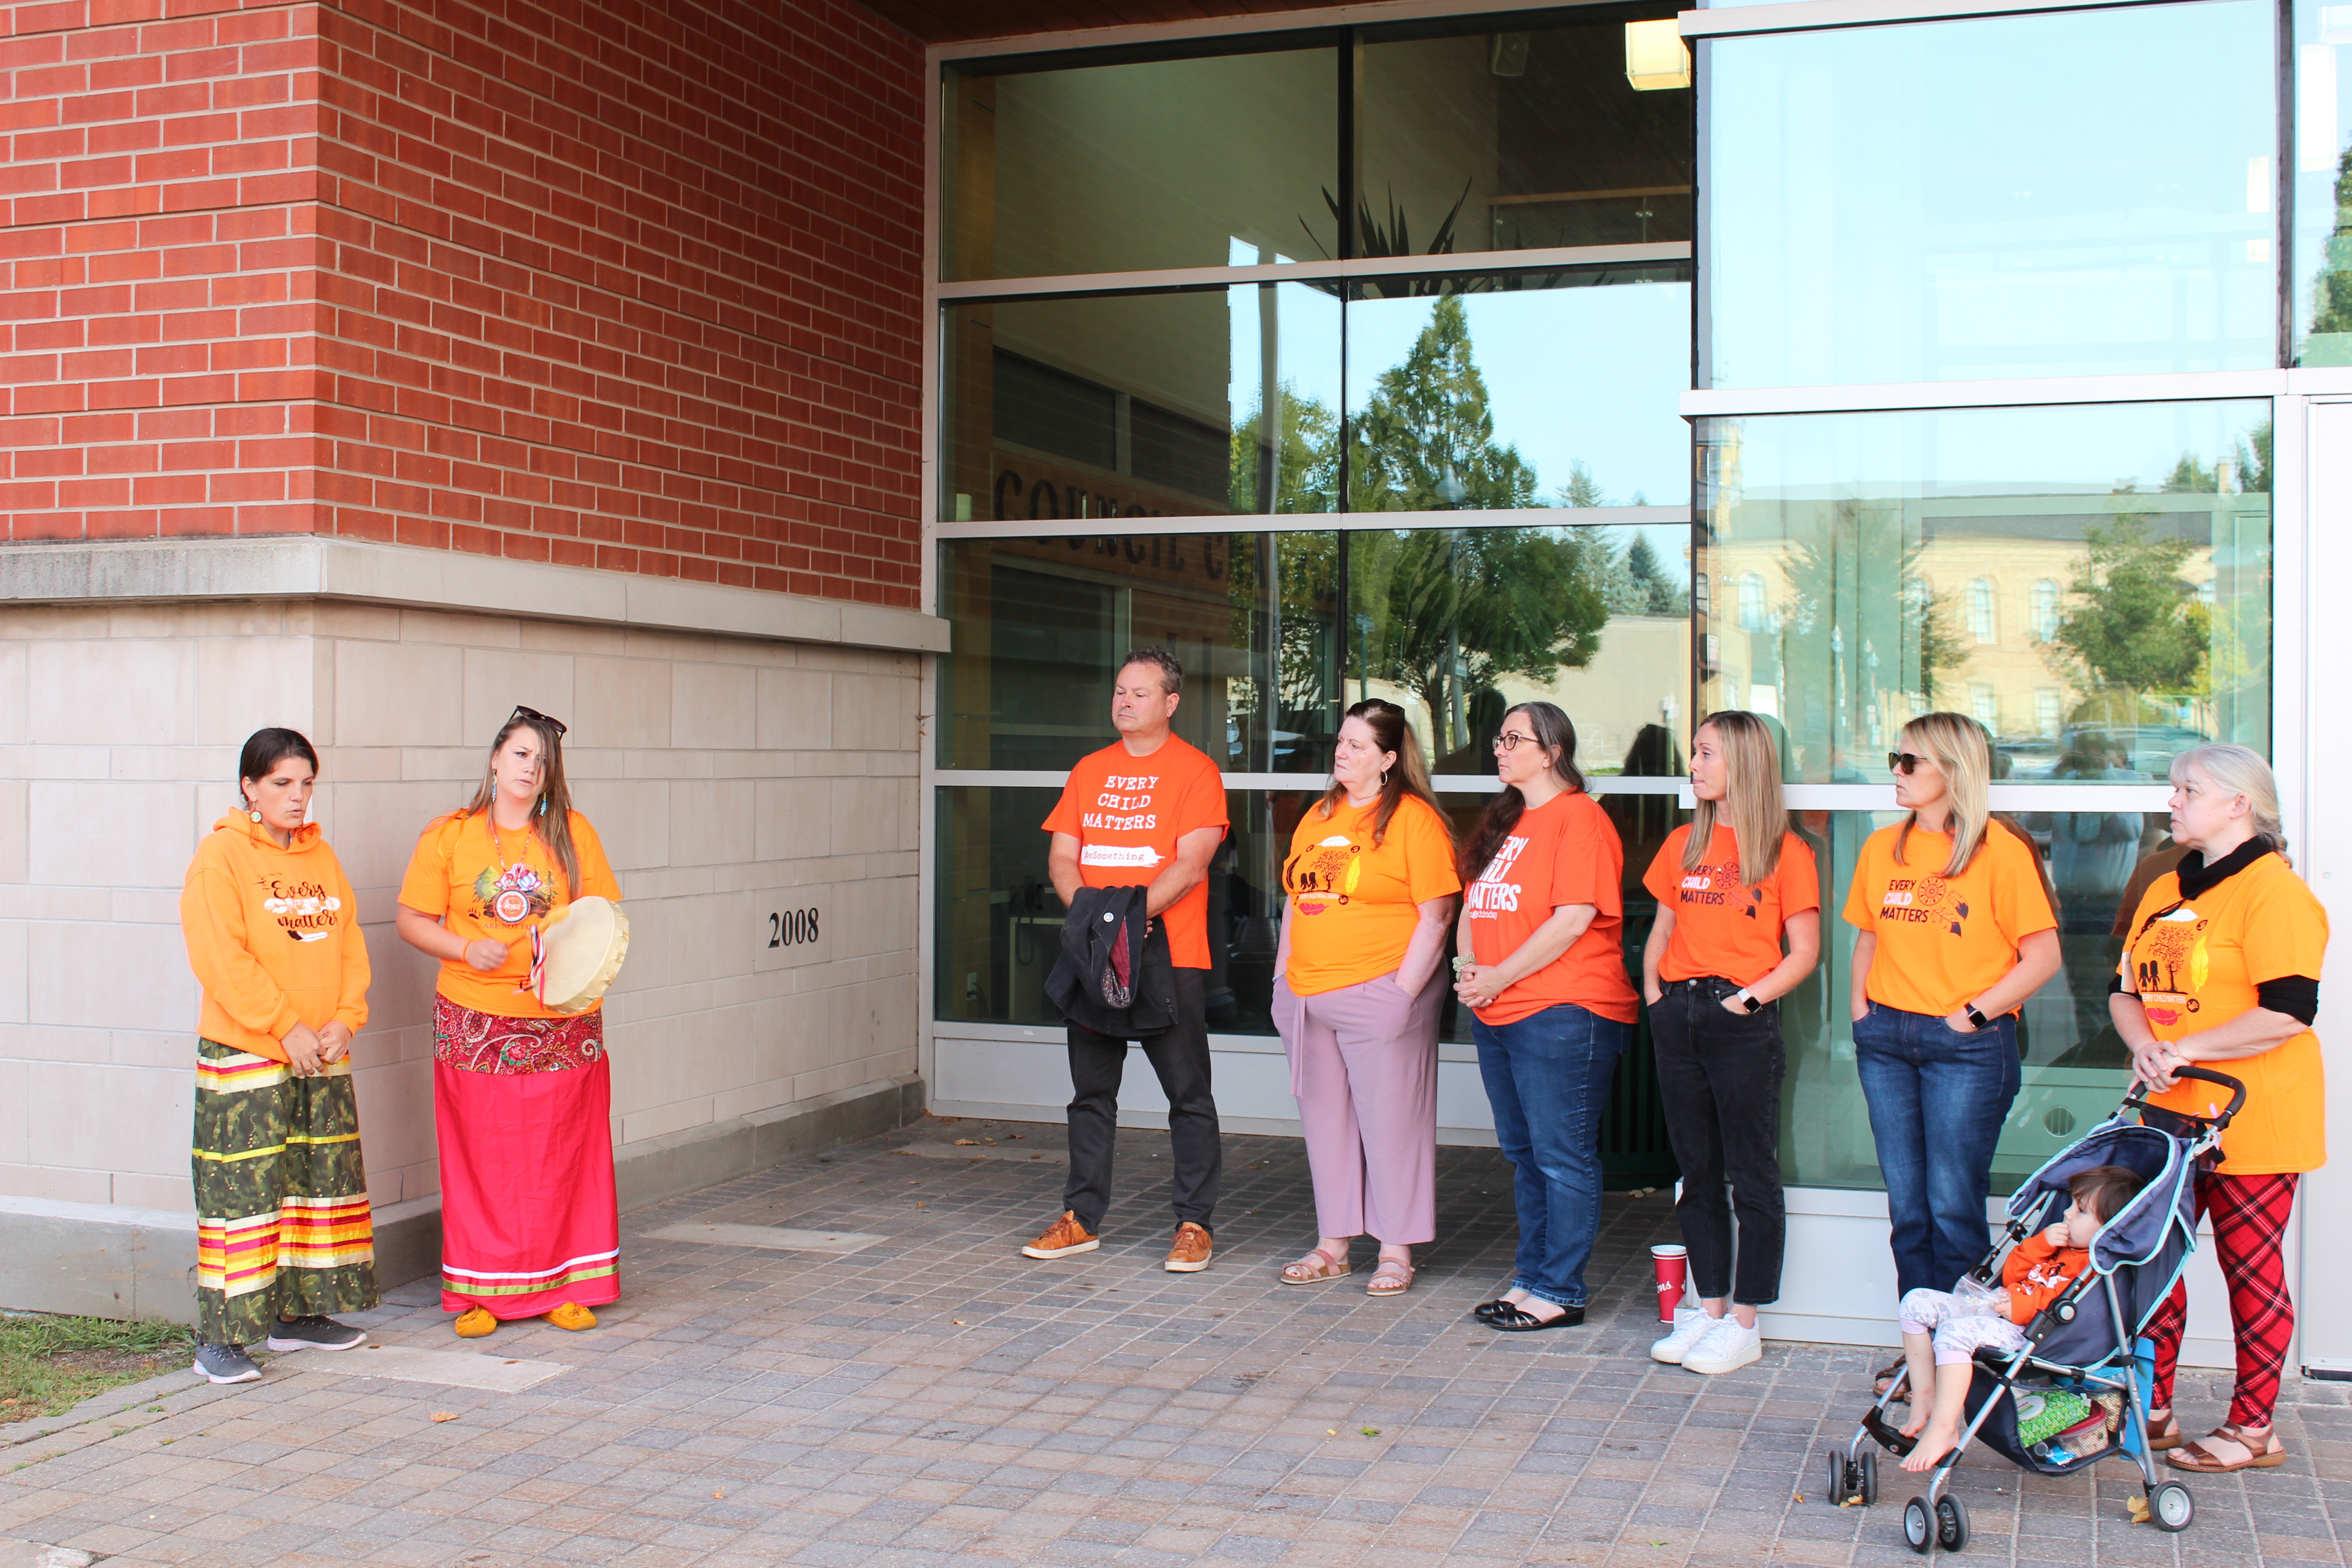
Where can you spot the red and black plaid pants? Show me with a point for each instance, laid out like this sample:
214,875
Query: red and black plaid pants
2250,1215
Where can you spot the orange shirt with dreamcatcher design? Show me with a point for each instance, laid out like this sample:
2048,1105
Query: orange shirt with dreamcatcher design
482,881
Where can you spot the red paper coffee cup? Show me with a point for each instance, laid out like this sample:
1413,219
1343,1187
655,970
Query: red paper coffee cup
1672,1266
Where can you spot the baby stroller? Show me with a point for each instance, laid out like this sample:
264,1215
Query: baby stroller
2082,1357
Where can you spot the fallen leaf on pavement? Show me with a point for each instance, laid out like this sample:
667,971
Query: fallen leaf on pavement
445,1415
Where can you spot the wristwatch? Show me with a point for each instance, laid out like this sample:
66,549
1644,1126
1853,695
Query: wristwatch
1976,1019
1751,1004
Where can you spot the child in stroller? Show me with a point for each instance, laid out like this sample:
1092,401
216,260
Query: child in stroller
1943,1329
2069,1387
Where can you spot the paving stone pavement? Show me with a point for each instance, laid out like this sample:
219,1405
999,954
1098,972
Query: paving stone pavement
936,1399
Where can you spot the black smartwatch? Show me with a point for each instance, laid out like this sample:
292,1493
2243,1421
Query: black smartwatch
1752,1004
1976,1019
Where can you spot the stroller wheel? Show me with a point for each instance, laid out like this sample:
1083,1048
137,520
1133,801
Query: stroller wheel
1839,1487
1918,1530
2170,1508
1869,1477
1951,1524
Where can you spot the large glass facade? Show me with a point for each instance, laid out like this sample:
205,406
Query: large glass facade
2090,192
2063,194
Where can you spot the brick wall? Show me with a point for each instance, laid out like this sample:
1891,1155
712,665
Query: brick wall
622,286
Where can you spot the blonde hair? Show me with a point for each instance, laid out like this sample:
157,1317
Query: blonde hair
1964,755
1753,804
2238,770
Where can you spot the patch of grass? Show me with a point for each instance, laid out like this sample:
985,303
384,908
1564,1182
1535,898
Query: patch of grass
49,1363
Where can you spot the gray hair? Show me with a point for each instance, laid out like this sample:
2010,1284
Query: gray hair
1171,673
2238,770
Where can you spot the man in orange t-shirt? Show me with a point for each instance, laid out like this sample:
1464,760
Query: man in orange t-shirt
1147,811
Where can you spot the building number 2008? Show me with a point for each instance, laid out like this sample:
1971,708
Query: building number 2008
792,928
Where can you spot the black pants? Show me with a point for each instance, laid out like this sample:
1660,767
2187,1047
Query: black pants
1181,1057
1719,1076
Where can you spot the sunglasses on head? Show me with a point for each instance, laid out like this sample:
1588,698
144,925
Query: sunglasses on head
1905,763
522,712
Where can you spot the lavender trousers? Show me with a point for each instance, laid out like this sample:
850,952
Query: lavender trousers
1363,1067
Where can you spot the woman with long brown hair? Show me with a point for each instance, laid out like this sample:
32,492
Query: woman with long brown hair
1542,970
1372,888
1954,930
521,1094
1731,887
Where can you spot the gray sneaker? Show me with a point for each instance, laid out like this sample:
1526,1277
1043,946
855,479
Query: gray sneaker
314,1333
227,1363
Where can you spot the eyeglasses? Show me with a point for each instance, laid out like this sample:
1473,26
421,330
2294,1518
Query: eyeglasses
1511,741
1906,764
522,712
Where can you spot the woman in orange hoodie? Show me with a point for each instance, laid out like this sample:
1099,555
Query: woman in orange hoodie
283,1231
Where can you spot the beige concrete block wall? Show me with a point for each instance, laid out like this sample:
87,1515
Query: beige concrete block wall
730,778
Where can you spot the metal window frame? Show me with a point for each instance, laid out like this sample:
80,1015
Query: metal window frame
1178,280
1816,15
1318,522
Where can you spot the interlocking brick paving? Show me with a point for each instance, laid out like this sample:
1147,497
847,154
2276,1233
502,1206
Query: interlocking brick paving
937,1399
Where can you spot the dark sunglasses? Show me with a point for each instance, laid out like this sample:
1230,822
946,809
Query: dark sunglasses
522,712
1905,763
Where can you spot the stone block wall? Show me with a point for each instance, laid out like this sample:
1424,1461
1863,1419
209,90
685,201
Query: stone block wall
730,778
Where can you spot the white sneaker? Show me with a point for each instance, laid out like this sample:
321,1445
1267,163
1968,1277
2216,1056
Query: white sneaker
1725,1347
1691,1324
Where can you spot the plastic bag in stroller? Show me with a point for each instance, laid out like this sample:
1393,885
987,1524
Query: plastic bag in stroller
2078,1392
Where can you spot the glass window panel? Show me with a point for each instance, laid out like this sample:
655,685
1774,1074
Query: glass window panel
999,922
1456,625
1041,624
1107,165
1536,389
1532,135
2070,194
2093,581
2075,1067
1143,404
2323,182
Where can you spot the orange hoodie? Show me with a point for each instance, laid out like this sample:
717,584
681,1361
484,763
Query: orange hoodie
2036,1272
273,935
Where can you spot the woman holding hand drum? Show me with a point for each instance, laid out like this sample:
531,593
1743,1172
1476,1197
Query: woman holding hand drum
1954,931
1730,887
521,1091
1371,883
1543,971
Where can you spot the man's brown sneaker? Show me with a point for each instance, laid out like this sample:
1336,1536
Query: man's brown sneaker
1063,1238
1189,1254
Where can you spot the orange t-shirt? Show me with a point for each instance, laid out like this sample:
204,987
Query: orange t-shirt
1565,852
457,876
1943,941
2198,966
1354,904
1128,811
1722,927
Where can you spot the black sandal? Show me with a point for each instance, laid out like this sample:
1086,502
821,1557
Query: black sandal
1515,1320
1485,1310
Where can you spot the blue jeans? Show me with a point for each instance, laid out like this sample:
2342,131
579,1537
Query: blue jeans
1938,1099
1547,1077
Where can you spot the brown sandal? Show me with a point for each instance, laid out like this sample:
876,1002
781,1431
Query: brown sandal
2211,1454
1393,1277
2165,1434
1316,1267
